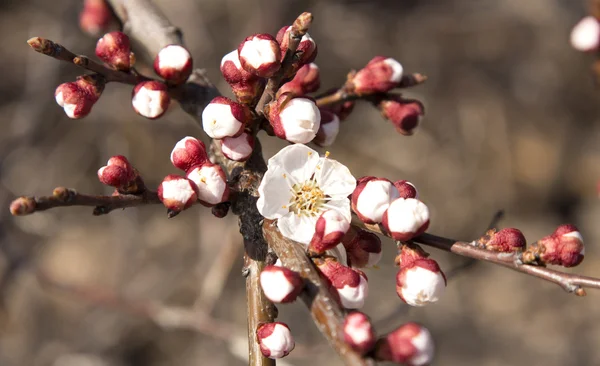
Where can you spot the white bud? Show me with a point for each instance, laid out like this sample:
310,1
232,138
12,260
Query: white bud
330,228
280,285
219,120
328,130
173,63
411,344
585,36
237,148
406,218
358,332
232,56
420,282
300,120
372,198
211,182
260,55
150,99
177,193
276,340
397,69
353,297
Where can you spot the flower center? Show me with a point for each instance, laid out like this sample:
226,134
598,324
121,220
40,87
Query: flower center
307,199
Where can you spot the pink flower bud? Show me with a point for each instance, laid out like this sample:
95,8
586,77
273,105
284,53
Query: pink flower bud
585,36
223,117
174,64
330,229
410,344
358,332
188,153
372,197
380,75
211,182
406,189
564,247
177,193
329,128
238,148
420,282
350,284
260,55
362,248
296,120
306,80
117,173
405,115
506,240
275,340
22,206
280,285
95,17
246,86
78,98
306,50
150,99
406,218
115,50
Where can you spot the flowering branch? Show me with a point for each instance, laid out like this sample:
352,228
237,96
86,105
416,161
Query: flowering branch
569,282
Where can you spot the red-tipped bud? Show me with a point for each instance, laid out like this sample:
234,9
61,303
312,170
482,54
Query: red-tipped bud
150,99
246,86
294,119
329,128
306,52
78,98
211,182
238,148
420,282
358,332
372,197
564,247
406,189
380,75
22,206
260,55
174,64
585,36
362,248
177,193
330,229
223,117
406,218
405,115
275,339
115,50
280,284
95,17
411,345
506,240
306,80
188,153
117,173
350,284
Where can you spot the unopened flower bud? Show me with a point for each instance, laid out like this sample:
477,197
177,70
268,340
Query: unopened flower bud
328,129
330,228
260,55
22,206
411,345
177,193
246,86
95,17
306,51
350,284
306,80
564,247
296,120
280,285
342,110
372,197
174,64
238,148
115,50
406,189
275,339
358,332
223,117
362,247
405,115
211,182
380,75
150,99
406,218
188,153
506,240
117,172
420,282
585,36
77,98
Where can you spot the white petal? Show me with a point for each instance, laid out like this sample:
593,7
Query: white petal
354,297
342,205
423,342
297,160
334,178
340,253
397,69
274,194
173,56
297,228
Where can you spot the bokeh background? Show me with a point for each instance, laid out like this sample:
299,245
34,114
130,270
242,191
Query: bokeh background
512,123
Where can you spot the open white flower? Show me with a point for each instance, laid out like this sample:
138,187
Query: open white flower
298,186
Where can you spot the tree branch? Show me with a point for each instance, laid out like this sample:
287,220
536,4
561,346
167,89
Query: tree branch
569,282
325,310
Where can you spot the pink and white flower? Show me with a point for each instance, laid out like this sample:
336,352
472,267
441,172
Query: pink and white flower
420,282
406,189
177,193
246,86
174,64
238,148
330,228
150,99
411,344
260,55
223,117
77,98
372,197
306,80
115,50
275,339
117,172
358,332
280,285
406,218
294,119
189,152
350,284
379,76
211,182
405,115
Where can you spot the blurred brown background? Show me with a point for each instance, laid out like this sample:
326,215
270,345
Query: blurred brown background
512,122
